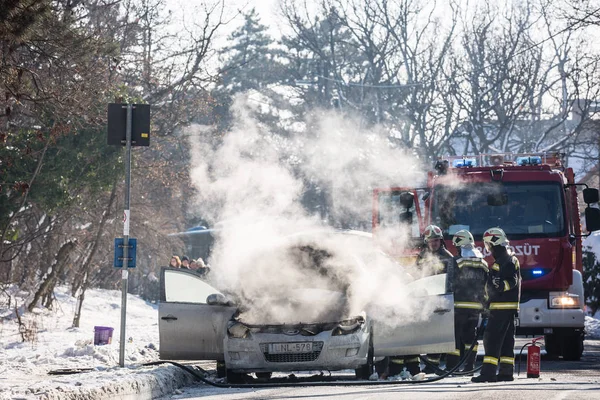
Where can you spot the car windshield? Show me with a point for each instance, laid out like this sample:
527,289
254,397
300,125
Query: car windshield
526,209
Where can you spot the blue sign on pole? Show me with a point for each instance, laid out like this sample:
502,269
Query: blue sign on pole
119,245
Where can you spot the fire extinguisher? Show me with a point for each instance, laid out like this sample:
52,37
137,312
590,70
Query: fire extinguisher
533,358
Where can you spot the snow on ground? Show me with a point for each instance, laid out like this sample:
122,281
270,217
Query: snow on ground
53,344
592,327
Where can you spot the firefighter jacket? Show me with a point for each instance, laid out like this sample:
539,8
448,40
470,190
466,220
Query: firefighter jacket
440,259
504,283
469,283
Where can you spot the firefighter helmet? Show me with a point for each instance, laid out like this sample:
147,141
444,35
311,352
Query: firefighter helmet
494,237
463,238
432,232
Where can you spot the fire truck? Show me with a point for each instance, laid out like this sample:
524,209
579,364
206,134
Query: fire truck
534,199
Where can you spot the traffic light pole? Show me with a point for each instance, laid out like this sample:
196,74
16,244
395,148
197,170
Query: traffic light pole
126,216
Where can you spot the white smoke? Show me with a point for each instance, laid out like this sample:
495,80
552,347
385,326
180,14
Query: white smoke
252,184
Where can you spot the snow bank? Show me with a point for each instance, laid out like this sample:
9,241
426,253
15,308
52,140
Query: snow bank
122,384
53,344
592,328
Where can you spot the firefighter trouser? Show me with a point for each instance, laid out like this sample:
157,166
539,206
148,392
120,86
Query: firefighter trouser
434,359
465,327
499,343
398,363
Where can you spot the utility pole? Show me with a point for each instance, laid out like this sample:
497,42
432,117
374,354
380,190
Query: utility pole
129,125
126,219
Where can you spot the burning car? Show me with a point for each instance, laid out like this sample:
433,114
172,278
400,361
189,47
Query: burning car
338,315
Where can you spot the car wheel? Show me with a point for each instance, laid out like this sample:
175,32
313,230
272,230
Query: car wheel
364,372
234,377
552,346
573,347
263,375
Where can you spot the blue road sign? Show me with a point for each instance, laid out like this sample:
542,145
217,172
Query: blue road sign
119,245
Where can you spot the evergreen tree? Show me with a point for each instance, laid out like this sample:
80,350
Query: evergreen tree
250,61
318,52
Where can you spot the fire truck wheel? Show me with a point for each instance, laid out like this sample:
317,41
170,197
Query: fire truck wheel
552,346
573,347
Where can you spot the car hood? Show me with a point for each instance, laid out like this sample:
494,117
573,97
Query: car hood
305,305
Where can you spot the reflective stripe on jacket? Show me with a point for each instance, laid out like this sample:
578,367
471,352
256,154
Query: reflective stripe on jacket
469,277
507,296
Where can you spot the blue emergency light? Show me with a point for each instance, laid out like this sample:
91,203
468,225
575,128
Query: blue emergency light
464,162
531,160
537,272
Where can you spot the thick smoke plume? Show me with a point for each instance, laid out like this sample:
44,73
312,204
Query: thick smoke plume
276,257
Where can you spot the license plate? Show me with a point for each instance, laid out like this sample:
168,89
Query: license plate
286,348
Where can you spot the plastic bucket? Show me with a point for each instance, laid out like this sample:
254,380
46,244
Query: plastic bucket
102,335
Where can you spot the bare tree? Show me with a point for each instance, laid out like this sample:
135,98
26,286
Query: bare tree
516,87
383,59
424,45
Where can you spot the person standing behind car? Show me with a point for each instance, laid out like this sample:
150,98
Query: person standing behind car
435,259
175,262
185,262
202,269
504,290
470,274
432,260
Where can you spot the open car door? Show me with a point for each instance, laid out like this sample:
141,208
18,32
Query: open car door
429,329
190,328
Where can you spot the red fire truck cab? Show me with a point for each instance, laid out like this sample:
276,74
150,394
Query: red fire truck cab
534,199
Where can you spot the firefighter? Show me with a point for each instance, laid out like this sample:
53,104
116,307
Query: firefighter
504,290
434,252
433,259
469,279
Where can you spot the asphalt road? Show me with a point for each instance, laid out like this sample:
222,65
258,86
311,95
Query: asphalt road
558,380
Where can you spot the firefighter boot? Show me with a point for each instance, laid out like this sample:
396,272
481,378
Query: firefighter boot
488,374
451,361
382,367
434,360
396,366
505,372
413,367
470,363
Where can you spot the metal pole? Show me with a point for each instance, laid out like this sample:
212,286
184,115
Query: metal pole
125,271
